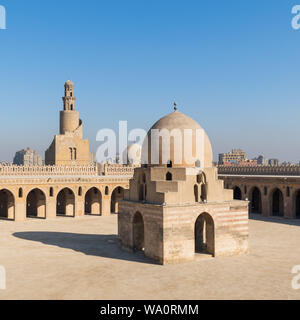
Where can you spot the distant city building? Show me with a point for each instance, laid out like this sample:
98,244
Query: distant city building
286,163
5,163
235,156
246,163
261,160
28,157
274,162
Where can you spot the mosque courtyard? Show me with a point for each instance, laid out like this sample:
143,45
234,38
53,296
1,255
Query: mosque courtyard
79,258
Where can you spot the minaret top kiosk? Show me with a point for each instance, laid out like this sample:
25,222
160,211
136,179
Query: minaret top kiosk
69,118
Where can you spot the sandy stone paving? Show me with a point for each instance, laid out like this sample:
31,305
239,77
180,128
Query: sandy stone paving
79,259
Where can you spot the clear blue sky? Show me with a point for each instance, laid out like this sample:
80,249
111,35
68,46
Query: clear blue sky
231,65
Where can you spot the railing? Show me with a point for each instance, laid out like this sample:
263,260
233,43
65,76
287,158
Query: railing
14,170
292,170
118,170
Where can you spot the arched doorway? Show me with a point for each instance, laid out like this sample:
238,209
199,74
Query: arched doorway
65,203
297,204
277,203
205,234
93,202
138,232
7,205
237,193
255,201
36,204
117,195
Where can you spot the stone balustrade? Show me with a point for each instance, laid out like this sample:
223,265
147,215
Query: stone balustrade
292,170
14,170
118,170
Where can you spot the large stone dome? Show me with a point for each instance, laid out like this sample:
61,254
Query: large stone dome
191,132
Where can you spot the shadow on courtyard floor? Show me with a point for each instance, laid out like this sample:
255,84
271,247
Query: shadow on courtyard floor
291,222
105,246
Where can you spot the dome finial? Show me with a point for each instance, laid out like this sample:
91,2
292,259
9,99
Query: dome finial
175,106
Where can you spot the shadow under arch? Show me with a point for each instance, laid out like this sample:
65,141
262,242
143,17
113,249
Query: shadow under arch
116,196
36,204
205,234
7,205
99,245
93,202
255,200
277,203
296,202
65,203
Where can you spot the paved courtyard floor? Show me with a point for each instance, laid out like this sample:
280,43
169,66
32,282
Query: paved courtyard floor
80,259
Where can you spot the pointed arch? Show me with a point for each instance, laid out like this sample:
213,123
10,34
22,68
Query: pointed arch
205,234
277,203
116,196
7,204
36,204
93,202
65,203
255,200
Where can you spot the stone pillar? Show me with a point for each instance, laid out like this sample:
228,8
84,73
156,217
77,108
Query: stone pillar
79,207
288,207
51,208
106,206
20,210
265,206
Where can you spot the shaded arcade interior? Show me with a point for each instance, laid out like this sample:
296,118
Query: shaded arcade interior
282,201
93,202
116,197
36,204
7,205
65,203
